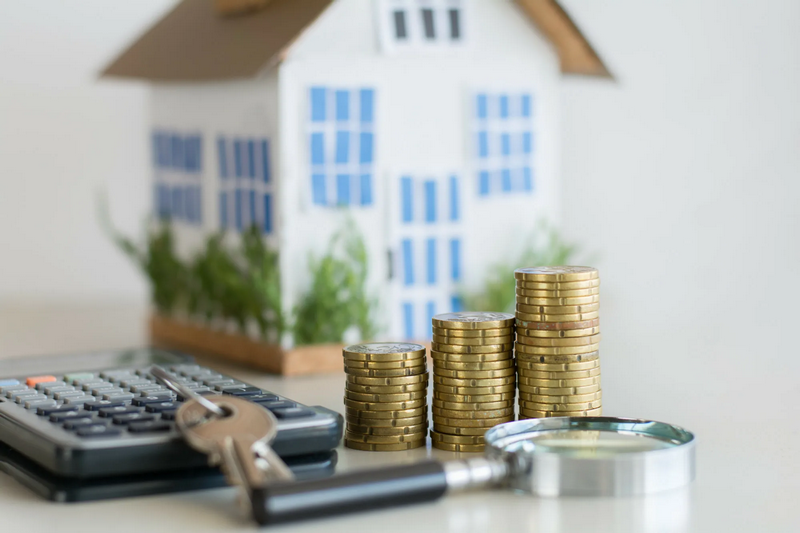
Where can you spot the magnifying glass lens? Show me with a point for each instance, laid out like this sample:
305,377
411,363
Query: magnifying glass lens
587,443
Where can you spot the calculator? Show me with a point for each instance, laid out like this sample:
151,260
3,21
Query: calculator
102,415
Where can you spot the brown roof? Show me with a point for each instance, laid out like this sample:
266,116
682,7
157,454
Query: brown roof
193,43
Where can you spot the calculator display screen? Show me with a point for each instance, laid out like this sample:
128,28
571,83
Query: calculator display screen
62,364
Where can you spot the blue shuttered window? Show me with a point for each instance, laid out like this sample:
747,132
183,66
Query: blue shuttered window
408,262
178,163
245,186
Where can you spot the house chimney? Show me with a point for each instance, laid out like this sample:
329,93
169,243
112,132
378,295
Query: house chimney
232,8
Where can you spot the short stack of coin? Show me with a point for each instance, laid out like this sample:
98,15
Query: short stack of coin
386,396
557,345
474,381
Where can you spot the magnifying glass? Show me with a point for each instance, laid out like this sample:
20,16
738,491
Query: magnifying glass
580,456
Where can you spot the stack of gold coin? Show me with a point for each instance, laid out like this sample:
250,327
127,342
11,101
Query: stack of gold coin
474,380
386,396
557,346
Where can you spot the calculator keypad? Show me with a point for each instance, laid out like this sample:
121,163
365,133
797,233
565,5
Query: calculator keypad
118,402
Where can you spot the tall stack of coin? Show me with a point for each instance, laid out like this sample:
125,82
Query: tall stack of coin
386,396
474,381
557,347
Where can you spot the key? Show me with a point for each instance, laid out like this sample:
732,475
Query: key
238,442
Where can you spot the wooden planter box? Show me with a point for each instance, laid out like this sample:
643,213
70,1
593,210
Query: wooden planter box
197,339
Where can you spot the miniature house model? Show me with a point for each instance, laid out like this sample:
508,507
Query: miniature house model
433,124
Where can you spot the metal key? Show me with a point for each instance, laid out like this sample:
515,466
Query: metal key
239,441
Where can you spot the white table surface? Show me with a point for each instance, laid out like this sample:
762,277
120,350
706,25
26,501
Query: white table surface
742,409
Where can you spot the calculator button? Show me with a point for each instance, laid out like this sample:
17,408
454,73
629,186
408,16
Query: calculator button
8,383
106,412
20,398
98,431
5,389
50,384
62,388
136,380
221,382
63,417
169,415
259,398
69,394
115,375
226,385
14,394
78,400
107,390
47,411
99,404
283,404
133,417
158,407
88,387
82,423
35,404
241,391
165,395
146,400
293,412
202,391
78,377
149,427
34,380
138,389
123,397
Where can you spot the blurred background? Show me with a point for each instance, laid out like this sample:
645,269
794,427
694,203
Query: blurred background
681,178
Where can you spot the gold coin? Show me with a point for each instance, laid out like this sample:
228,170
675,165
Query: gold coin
559,383
402,380
471,357
438,412
560,375
384,447
555,342
387,422
478,391
531,413
557,391
558,285
473,320
524,398
456,439
476,374
384,439
385,406
460,431
556,309
386,389
474,333
552,274
530,299
461,448
489,365
557,334
527,361
415,364
472,406
558,326
474,398
565,367
398,413
384,372
526,317
473,341
489,348
555,350
382,357
384,348
559,407
373,398
485,423
402,430
488,382
534,293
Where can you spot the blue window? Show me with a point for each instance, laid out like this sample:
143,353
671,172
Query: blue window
483,183
177,203
239,210
265,160
526,105
483,144
343,189
317,149
430,201
408,262
504,106
251,158
177,152
365,148
527,142
454,200
237,155
342,105
239,200
430,312
455,259
342,147
318,184
482,106
223,210
430,246
407,193
408,319
252,198
505,180
527,178
366,189
222,155
267,213
318,104
367,105
456,304
188,210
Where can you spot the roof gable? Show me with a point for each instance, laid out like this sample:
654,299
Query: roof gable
193,43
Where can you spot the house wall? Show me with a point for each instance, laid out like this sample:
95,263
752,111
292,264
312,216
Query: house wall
425,102
243,109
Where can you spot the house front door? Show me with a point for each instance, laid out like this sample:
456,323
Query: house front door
427,251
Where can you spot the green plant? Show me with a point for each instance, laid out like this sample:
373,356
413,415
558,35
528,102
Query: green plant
337,298
499,288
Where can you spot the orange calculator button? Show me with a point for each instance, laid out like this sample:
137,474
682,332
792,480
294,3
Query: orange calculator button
33,380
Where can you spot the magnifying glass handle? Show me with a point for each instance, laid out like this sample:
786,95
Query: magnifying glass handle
351,492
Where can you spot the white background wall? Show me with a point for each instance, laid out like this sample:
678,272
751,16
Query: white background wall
682,176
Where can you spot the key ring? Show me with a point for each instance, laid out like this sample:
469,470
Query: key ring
169,381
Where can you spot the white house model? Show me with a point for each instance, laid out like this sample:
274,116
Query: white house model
432,123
